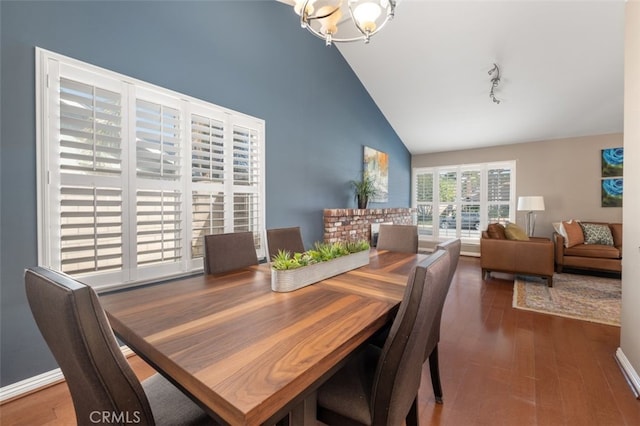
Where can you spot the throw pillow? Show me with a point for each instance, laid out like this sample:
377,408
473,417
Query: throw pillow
574,234
514,232
597,234
496,231
557,226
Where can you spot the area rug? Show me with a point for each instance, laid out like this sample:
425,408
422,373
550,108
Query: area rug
581,297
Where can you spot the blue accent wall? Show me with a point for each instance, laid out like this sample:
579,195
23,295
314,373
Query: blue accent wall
250,56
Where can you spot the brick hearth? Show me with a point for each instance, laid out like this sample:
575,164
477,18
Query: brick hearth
355,224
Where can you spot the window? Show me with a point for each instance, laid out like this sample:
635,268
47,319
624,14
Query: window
132,176
459,201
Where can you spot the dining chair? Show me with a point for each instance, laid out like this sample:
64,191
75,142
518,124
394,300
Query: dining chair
287,239
75,327
401,238
453,248
431,349
226,252
379,386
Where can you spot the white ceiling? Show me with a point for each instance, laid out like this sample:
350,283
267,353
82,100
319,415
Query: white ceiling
561,68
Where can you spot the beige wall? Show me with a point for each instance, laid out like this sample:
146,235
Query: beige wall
630,330
565,171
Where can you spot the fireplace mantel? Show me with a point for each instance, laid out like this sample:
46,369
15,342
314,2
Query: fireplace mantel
355,224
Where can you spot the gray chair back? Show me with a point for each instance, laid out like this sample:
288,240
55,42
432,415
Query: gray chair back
397,377
75,327
453,246
400,238
287,239
227,252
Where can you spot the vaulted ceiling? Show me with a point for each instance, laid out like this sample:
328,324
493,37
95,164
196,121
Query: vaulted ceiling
561,65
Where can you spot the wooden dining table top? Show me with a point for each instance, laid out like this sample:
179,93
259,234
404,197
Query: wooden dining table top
249,354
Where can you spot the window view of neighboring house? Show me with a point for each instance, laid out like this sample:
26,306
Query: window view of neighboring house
133,175
459,201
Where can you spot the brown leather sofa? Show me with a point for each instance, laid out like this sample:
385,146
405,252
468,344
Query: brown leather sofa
532,257
590,256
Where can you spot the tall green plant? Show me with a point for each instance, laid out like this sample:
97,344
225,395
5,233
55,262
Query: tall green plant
364,189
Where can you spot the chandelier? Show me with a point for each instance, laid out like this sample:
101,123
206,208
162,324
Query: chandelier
323,18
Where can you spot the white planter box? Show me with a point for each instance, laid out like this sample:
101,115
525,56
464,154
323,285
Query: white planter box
293,279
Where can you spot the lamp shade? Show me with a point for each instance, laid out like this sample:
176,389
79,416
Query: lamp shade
531,203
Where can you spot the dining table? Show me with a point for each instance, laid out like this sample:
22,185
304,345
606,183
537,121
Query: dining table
249,355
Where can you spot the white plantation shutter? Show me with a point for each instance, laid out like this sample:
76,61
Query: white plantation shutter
91,229
90,129
158,140
158,227
470,189
424,202
247,175
132,174
469,196
208,217
499,193
207,149
499,184
246,157
227,164
85,172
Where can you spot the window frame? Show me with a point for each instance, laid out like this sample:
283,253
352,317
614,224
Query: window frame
459,204
50,67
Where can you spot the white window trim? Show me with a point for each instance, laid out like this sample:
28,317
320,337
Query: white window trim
46,129
484,202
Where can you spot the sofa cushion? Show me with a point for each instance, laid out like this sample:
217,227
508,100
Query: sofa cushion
496,231
597,234
616,232
593,250
514,232
573,233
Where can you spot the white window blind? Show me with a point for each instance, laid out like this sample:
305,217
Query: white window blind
91,229
499,194
424,202
132,174
90,129
459,201
158,227
207,149
158,140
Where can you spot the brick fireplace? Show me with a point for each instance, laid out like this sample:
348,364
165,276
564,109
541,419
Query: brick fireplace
355,224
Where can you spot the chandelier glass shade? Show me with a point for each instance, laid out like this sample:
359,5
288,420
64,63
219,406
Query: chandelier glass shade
355,20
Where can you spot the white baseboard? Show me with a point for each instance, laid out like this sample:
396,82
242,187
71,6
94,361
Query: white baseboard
31,384
629,372
38,382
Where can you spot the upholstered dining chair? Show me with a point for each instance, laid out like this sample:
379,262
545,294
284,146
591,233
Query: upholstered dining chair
453,248
226,252
74,325
431,349
379,386
401,238
287,239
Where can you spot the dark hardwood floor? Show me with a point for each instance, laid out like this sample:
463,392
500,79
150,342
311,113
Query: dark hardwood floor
498,365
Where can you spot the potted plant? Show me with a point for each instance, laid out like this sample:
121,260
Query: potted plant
364,190
291,271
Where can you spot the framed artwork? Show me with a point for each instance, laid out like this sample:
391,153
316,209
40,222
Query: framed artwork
612,192
612,163
376,165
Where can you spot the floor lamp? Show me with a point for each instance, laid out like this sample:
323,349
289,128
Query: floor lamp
531,204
